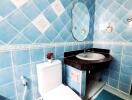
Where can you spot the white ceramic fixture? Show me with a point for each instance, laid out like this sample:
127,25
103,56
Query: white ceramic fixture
90,56
50,82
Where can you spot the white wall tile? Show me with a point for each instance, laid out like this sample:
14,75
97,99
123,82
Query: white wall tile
41,23
58,7
19,3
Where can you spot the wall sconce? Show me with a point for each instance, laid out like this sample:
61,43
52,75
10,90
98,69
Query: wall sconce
129,20
107,27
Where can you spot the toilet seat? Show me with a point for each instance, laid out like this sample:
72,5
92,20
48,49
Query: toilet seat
62,92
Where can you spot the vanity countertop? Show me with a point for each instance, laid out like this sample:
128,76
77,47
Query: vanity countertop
71,59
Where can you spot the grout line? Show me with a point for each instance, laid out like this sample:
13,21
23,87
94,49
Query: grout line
33,2
6,84
54,30
18,33
31,72
57,44
14,78
43,45
120,66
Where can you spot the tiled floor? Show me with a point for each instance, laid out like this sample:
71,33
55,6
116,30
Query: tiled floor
109,89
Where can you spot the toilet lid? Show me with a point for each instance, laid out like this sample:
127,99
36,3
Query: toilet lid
62,92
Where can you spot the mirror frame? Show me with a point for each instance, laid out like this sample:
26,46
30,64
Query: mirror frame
83,30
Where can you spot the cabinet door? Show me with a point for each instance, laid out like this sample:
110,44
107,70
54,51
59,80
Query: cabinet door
76,79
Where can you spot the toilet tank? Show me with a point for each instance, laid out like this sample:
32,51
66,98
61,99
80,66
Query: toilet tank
49,76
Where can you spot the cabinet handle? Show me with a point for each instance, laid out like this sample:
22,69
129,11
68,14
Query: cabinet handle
89,71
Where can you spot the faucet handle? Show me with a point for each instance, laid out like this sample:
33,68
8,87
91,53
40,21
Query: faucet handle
88,50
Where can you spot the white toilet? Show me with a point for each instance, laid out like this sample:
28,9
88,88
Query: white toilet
50,82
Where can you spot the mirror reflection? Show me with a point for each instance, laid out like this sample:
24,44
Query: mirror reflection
80,21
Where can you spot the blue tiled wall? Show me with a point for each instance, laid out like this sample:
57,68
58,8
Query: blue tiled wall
119,74
13,64
17,28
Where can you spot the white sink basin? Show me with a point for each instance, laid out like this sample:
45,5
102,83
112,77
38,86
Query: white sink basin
90,56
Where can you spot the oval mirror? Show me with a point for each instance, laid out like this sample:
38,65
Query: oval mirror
80,21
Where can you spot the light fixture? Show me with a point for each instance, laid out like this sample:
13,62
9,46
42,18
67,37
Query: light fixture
106,27
129,20
109,28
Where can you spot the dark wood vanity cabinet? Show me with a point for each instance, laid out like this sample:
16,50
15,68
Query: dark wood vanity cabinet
78,72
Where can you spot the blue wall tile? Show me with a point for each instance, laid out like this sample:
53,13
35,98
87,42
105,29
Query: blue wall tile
51,1
8,29
15,19
42,39
65,2
22,17
31,32
114,75
21,39
121,12
5,59
58,39
114,7
58,25
51,33
21,57
41,4
124,88
121,1
128,4
126,69
126,60
6,76
6,7
114,66
7,87
116,57
11,90
126,79
23,70
75,47
30,7
121,64
17,28
50,14
116,49
113,82
65,18
65,33
59,52
37,55
68,48
127,50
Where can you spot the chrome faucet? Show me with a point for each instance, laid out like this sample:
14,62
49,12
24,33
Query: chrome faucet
85,50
